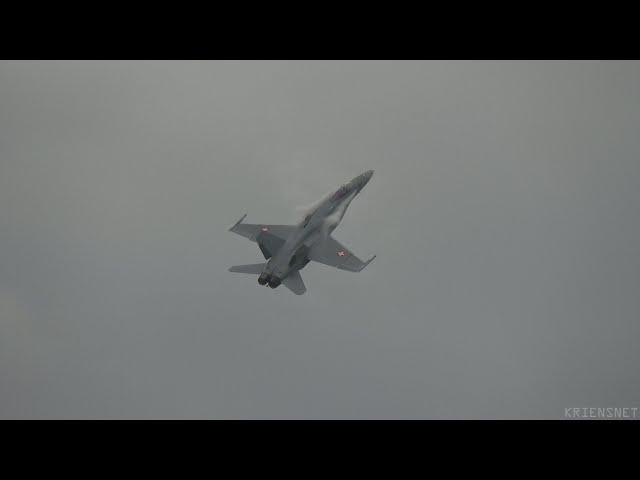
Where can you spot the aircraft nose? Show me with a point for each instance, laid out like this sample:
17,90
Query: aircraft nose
361,180
366,176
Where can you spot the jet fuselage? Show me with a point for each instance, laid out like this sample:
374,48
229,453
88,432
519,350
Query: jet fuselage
317,224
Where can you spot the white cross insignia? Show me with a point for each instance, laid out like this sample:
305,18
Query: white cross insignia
264,229
341,253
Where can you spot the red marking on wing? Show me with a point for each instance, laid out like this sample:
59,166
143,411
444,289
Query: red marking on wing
341,253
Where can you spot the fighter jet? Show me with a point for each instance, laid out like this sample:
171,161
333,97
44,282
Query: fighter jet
289,248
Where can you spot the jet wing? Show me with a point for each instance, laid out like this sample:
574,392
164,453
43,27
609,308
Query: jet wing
333,253
269,238
252,230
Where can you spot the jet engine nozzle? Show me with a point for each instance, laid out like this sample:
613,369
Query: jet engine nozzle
263,279
274,282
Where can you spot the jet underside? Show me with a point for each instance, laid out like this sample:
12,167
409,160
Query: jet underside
287,249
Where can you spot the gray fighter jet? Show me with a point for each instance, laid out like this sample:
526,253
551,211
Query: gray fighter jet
288,248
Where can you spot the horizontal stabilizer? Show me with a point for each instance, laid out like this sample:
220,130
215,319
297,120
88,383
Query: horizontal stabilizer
255,268
294,282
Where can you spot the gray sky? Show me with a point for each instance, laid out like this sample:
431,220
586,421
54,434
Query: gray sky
504,212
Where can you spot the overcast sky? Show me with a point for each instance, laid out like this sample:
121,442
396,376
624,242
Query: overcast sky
505,213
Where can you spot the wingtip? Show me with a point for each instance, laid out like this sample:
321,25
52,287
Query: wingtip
368,262
238,222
